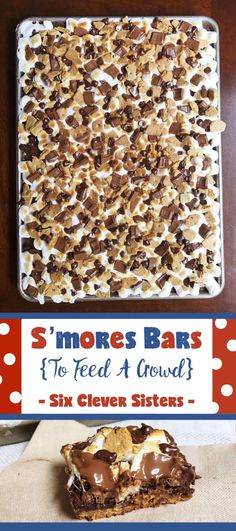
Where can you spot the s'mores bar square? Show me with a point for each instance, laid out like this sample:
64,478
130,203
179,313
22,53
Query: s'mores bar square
119,134
121,469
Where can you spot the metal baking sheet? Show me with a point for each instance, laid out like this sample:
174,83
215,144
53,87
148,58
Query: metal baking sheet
12,432
61,21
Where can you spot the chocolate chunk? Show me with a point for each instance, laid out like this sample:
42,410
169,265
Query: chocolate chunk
178,179
163,162
51,156
76,283
192,44
184,108
175,128
121,51
32,291
211,94
120,266
206,163
190,247
46,80
157,37
191,204
36,175
165,212
72,122
184,26
136,33
118,180
90,66
206,125
39,266
36,93
55,172
174,226
115,285
133,231
135,136
95,246
138,437
202,107
202,140
134,200
178,72
89,109
81,160
61,243
169,50
29,106
90,204
105,455
204,230
97,143
112,71
146,429
156,80
32,225
162,248
178,94
88,97
61,216
192,264
160,282
104,87
169,212
78,30
195,80
202,182
54,63
134,91
73,85
147,108
169,449
81,256
151,263
83,138
81,191
111,222
63,145
91,272
29,53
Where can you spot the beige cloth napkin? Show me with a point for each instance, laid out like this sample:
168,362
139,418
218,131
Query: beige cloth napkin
32,489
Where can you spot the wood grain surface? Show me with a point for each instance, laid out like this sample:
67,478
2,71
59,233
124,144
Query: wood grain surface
11,13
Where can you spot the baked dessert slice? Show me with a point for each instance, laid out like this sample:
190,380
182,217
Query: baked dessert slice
122,469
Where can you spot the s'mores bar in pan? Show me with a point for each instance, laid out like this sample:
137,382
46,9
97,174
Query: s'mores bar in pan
119,470
119,159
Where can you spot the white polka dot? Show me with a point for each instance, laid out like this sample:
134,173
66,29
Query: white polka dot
226,390
221,323
231,345
1,379
216,364
9,358
214,407
15,397
4,329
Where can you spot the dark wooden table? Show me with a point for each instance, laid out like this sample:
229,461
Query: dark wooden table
13,11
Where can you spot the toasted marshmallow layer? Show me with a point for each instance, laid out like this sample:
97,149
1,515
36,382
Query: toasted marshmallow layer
119,133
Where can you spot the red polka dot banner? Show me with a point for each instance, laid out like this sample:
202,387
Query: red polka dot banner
118,365
224,365
10,366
